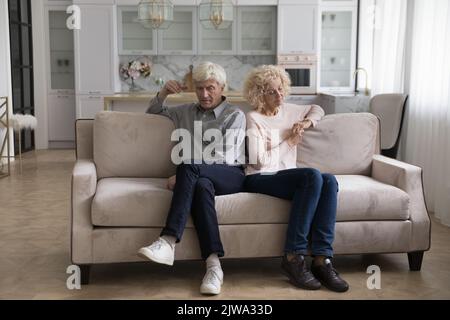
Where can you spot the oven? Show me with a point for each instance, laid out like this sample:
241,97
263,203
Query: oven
302,69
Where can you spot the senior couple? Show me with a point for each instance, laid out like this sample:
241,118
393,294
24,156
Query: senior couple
273,172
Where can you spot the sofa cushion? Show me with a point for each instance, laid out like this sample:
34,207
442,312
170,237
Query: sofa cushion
341,143
132,145
364,198
144,202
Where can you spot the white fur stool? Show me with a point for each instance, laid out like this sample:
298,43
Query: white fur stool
18,123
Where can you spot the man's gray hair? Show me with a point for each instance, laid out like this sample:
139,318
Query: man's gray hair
209,70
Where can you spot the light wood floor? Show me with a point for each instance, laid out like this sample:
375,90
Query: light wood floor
34,255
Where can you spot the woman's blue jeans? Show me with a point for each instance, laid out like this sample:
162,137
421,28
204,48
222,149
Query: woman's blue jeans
313,210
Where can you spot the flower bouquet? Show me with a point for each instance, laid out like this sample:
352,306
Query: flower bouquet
135,69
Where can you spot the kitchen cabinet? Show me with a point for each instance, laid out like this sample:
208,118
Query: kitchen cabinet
299,2
217,42
87,106
175,2
59,48
96,57
94,1
61,117
181,36
338,47
297,28
127,2
256,30
58,2
60,51
335,3
256,3
185,2
253,32
133,38
179,39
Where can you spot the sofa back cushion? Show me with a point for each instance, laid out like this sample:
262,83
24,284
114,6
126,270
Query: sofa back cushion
132,145
342,143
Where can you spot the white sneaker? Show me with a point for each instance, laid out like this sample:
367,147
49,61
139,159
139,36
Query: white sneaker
159,251
212,281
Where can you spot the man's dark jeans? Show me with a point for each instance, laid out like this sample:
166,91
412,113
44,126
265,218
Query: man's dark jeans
313,210
194,192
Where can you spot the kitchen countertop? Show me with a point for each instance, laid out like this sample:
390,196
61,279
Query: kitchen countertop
346,102
183,97
343,94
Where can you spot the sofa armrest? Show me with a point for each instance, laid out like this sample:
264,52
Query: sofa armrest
84,185
408,178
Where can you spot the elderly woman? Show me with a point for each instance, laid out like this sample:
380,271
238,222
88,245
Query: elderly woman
274,129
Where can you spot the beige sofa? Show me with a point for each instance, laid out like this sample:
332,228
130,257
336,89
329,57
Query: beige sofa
120,200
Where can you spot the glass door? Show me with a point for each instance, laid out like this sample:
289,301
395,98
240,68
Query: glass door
217,42
134,39
62,70
257,30
338,49
180,37
21,40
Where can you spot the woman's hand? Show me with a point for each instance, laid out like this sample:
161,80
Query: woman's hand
171,182
297,131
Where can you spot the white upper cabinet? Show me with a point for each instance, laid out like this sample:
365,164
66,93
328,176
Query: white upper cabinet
297,28
256,30
175,2
127,2
217,42
60,55
299,2
133,38
336,3
256,3
181,36
338,48
185,2
95,50
93,2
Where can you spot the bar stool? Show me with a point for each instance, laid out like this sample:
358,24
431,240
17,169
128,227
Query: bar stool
20,122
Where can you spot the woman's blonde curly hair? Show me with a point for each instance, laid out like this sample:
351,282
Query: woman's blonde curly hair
257,80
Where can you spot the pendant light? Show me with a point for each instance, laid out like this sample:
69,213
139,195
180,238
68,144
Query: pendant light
216,14
155,14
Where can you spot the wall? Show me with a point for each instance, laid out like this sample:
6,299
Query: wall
5,67
39,72
175,67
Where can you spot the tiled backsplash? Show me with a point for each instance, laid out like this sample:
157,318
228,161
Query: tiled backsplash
176,67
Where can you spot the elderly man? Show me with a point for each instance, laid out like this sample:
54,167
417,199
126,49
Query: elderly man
197,179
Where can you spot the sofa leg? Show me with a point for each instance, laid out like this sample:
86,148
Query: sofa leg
85,271
415,260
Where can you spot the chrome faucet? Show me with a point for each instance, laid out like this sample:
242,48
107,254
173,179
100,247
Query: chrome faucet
366,90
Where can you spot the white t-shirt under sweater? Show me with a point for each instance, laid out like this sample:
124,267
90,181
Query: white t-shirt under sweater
268,149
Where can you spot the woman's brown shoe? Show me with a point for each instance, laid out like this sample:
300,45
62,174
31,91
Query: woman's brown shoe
329,277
